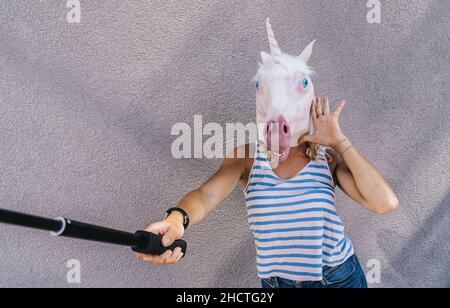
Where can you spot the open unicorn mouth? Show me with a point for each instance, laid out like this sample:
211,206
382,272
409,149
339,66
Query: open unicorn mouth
282,155
279,137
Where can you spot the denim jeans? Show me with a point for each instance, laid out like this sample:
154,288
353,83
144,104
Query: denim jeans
348,275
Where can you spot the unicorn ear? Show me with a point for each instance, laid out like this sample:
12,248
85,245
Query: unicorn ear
266,58
306,54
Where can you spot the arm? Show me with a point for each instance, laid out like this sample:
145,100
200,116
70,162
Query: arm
363,183
198,204
354,174
201,202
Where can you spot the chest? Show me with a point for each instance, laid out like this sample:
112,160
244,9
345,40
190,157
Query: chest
291,167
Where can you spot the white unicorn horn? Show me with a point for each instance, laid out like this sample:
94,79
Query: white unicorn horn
274,48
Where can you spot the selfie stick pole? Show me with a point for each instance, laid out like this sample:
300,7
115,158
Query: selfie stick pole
141,241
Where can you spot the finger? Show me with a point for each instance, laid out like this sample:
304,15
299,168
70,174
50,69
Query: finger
159,228
179,257
326,106
140,256
319,106
170,236
174,256
340,108
176,252
166,255
174,261
151,259
314,111
155,260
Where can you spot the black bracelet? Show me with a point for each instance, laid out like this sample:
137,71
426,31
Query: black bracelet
183,212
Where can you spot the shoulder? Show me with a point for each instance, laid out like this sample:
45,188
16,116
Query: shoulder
243,155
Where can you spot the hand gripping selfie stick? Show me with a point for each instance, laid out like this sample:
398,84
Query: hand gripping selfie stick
140,242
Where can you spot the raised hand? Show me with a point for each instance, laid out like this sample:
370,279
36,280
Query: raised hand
327,131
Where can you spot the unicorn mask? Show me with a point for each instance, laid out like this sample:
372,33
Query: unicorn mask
284,95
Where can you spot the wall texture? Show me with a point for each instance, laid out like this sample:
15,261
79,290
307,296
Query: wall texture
86,113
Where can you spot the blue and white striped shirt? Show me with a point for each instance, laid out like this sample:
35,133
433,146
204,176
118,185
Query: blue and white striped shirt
296,227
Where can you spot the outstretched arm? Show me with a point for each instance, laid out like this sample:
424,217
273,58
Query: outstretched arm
354,174
201,202
198,204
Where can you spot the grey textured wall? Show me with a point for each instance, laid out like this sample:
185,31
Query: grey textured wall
86,113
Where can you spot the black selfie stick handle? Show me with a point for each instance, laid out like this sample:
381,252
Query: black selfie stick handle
154,245
141,241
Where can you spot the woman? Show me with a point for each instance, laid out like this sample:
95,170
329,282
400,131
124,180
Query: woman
324,256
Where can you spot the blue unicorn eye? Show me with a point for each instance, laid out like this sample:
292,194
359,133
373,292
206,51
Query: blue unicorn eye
258,85
305,83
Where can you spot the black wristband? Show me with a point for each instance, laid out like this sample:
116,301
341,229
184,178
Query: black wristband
183,212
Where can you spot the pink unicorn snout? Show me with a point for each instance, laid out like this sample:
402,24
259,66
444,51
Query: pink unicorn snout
279,135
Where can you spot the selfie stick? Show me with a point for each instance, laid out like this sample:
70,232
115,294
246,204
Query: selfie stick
140,242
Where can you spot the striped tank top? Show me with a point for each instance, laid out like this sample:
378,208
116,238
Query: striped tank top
296,228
